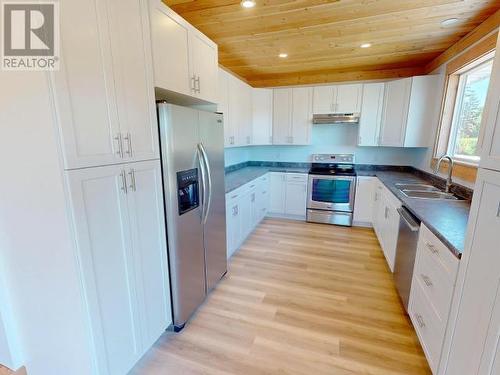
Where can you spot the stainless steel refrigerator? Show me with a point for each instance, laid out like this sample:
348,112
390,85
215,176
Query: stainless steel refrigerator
192,154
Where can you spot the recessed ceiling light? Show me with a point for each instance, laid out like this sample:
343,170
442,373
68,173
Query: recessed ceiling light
283,55
449,22
366,45
247,3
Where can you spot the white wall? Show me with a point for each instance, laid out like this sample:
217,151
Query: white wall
36,248
329,139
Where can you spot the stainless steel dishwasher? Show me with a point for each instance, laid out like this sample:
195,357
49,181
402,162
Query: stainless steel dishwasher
409,227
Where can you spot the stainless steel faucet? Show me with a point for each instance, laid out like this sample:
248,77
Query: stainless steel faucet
450,170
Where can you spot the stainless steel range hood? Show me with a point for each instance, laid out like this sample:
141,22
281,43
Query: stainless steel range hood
336,118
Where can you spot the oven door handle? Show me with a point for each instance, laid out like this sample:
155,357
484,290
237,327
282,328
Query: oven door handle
409,221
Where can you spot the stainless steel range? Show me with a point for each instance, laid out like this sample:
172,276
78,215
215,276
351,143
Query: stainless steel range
331,189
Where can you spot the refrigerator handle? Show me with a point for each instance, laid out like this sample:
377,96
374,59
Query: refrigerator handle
201,160
209,179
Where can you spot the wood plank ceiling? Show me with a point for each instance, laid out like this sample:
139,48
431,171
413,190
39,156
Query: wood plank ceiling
322,37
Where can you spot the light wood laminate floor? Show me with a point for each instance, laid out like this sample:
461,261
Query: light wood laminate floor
299,298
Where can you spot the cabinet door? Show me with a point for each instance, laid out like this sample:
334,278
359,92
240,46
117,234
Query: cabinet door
83,88
348,98
244,108
378,210
391,234
223,107
262,116
233,224
133,75
396,101
475,333
277,193
104,251
323,99
170,33
371,114
363,204
296,196
282,99
149,248
246,220
204,65
301,116
490,135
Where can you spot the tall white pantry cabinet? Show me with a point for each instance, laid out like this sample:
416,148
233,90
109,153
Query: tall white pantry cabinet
472,345
87,277
117,209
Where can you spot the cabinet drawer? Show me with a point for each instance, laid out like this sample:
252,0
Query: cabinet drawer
427,325
438,252
296,177
436,283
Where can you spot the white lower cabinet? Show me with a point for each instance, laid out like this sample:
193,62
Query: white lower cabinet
431,293
363,202
386,221
474,333
288,195
246,206
121,248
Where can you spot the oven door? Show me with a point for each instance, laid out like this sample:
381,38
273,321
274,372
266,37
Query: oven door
334,193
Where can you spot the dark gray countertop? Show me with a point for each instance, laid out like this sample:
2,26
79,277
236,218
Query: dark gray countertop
241,176
446,219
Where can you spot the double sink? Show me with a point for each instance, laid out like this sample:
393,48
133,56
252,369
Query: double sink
423,191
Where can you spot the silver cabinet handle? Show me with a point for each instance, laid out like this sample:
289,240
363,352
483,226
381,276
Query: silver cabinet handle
128,138
427,279
197,85
386,214
123,176
420,320
498,211
193,83
132,180
253,197
235,210
119,139
432,248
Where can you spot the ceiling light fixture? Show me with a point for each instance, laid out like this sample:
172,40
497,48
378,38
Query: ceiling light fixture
247,3
283,55
366,45
449,22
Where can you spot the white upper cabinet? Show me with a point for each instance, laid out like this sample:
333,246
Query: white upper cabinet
347,98
292,117
262,116
103,93
396,101
204,66
371,114
238,119
337,99
410,109
301,116
490,135
323,99
185,60
169,32
282,102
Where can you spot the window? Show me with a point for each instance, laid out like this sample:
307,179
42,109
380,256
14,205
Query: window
466,88
470,99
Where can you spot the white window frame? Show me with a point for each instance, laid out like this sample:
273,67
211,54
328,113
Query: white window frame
452,137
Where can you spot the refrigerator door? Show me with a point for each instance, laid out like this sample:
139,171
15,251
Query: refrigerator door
214,232
179,137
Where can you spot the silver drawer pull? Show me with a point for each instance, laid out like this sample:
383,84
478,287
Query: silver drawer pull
234,196
420,320
432,248
427,279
